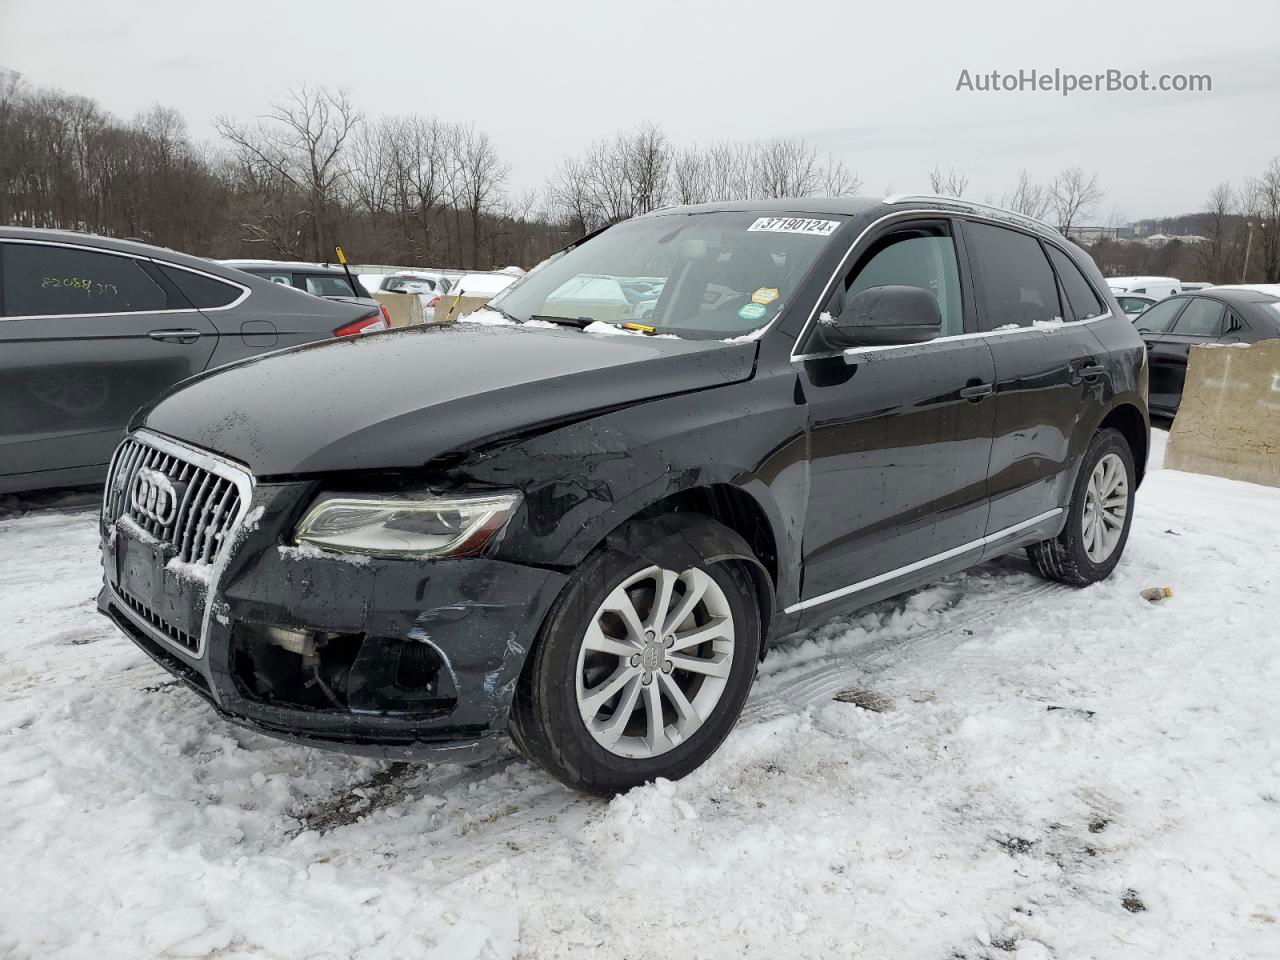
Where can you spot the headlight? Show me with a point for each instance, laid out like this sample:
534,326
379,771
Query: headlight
401,527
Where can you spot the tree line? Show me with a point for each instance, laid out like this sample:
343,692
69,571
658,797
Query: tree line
314,171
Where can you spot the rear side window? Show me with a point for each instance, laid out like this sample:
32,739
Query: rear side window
1083,301
41,281
203,292
325,285
1018,286
1202,318
1158,318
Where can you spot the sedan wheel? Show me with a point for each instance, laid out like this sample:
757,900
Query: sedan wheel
655,660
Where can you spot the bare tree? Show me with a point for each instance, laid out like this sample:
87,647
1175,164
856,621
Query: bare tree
479,175
948,183
299,144
1028,198
1075,194
1263,210
1215,255
690,180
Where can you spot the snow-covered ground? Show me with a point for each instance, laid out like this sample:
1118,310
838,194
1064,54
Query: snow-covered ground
991,767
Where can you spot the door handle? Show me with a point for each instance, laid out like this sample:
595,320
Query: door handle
976,392
175,336
1086,368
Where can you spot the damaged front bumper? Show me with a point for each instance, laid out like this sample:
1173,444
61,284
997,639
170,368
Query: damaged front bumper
395,658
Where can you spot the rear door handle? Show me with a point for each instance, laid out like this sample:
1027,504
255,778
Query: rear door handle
175,336
1086,368
976,392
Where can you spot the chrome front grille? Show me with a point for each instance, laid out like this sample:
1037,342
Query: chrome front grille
180,496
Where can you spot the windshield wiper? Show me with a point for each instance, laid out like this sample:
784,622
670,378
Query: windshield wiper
499,311
579,323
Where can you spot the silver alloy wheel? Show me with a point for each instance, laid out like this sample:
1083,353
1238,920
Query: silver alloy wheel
1106,503
654,661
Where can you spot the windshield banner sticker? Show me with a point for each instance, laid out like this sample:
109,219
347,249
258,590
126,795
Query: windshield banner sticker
821,228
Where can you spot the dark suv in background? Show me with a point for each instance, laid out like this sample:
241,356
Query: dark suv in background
584,529
92,328
1221,315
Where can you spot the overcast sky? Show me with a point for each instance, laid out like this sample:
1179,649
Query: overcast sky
873,83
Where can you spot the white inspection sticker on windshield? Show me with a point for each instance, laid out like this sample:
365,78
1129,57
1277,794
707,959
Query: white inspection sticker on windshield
822,228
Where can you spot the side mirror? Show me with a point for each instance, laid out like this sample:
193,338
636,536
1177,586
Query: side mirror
883,316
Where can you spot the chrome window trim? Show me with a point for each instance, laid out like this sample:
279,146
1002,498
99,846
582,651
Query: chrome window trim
922,564
925,213
244,291
223,467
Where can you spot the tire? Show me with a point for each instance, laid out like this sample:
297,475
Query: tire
588,646
1075,556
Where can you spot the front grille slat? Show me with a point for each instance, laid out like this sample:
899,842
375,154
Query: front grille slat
189,523
216,528
179,637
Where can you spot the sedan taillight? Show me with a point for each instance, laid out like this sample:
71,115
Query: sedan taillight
377,320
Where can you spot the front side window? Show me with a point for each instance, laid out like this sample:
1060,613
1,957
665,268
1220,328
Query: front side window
41,280
1202,318
1085,304
1018,286
1158,318
922,255
708,275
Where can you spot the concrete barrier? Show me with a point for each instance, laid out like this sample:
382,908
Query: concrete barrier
450,308
405,308
1228,421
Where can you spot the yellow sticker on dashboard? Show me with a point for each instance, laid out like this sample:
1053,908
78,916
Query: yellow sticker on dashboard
765,295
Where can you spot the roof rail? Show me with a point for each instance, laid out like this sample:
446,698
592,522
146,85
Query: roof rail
972,206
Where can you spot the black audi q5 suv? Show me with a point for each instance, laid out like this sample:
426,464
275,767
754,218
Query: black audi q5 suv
580,515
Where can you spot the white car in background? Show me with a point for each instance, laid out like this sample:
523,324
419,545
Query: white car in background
429,285
1157,288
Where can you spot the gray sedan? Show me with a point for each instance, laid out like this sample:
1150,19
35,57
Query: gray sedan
92,328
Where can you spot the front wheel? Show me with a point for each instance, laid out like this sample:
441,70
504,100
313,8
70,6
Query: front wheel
645,660
1091,542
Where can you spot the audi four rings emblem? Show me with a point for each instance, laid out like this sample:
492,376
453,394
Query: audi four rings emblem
154,497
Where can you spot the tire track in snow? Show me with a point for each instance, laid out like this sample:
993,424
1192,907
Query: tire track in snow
520,822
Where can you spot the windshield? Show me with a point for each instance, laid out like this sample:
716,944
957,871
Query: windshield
700,275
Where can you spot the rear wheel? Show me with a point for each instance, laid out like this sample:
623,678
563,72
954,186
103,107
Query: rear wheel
644,662
1097,527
